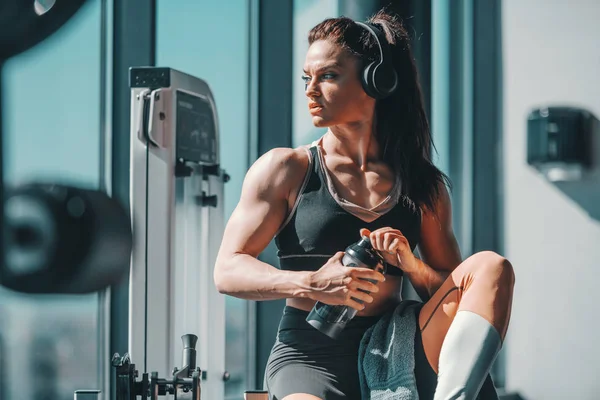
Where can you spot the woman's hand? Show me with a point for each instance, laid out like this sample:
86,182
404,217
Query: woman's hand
393,247
336,284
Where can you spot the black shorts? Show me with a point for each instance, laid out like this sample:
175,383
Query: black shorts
303,360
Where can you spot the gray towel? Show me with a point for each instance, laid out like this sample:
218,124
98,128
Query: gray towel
386,357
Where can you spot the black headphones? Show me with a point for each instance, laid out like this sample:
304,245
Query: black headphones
379,78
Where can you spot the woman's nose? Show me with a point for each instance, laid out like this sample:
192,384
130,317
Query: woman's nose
311,88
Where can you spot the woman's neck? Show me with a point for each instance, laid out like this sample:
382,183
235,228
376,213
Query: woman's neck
356,142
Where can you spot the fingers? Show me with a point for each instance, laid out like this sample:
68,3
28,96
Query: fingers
336,258
365,273
361,284
385,239
377,240
361,297
391,243
364,285
357,305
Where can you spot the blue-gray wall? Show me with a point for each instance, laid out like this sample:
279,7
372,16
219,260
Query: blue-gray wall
551,53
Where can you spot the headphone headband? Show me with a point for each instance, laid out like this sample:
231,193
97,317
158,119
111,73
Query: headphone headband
379,38
379,78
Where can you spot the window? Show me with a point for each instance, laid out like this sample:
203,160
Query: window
466,123
210,40
306,15
49,345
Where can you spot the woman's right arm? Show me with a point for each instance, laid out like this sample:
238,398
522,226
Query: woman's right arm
259,214
262,209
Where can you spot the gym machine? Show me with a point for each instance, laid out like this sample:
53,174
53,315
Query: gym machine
185,382
177,214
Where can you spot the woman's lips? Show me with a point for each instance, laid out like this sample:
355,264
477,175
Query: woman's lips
315,108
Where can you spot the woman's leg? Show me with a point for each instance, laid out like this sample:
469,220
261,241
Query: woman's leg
301,396
465,322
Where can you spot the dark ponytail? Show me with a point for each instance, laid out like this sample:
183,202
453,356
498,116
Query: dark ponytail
402,128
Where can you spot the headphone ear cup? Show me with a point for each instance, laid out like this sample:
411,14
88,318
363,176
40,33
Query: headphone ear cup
384,80
368,82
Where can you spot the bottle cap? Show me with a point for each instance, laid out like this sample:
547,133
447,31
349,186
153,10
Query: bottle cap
364,252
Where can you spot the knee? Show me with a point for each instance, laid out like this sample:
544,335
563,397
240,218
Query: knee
494,267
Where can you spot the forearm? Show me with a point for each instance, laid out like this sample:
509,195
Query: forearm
248,278
424,279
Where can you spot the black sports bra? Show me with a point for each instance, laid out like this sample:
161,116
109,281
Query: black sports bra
319,226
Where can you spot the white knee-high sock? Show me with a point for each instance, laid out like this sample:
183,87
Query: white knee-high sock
468,352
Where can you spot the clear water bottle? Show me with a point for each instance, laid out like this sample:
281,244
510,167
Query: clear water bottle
331,320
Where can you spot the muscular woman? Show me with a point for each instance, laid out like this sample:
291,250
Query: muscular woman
370,174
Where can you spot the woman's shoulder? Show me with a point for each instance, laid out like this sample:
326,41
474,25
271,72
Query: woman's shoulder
283,165
287,157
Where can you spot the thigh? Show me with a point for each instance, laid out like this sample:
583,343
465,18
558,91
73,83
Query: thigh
438,312
306,362
481,284
301,396
303,382
294,368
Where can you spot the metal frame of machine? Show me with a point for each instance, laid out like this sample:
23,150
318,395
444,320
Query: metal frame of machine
176,194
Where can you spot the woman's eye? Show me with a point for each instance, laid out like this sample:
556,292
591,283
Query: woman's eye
307,78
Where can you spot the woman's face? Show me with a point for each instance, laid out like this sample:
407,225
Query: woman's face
334,91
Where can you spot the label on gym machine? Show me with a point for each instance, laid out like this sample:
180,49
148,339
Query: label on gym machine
196,130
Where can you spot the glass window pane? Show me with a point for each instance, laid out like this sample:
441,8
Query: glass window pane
440,82
192,37
52,133
307,13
